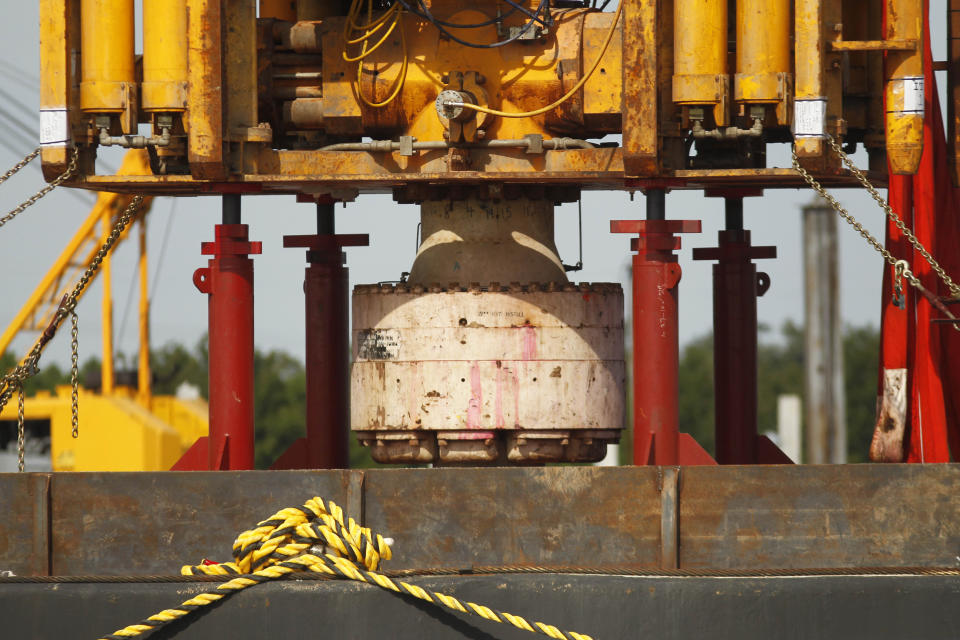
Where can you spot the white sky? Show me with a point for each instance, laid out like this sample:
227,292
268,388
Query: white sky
29,244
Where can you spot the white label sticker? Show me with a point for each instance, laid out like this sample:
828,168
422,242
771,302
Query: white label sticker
810,117
53,127
913,94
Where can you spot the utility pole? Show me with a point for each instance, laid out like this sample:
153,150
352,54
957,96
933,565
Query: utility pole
824,399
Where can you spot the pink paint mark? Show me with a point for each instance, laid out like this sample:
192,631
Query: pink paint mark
476,397
467,435
529,347
516,398
498,403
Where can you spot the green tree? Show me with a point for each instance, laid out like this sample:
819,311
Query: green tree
861,359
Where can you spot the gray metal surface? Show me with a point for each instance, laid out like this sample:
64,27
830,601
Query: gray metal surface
24,525
630,517
820,516
605,607
150,523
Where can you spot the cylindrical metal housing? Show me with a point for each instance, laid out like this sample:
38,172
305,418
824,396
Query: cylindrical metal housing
106,55
700,54
530,373
164,85
905,87
763,50
477,240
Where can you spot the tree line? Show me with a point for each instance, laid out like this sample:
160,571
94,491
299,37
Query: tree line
280,387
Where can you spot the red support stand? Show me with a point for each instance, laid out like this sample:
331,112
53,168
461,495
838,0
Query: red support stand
327,292
736,287
656,350
228,281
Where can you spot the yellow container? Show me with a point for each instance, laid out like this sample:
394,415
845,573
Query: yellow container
904,87
763,50
700,55
106,55
164,85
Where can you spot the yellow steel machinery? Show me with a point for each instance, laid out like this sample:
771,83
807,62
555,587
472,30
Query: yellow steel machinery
233,97
486,113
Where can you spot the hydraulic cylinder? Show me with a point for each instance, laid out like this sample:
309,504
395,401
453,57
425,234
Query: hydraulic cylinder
904,93
106,58
763,52
700,77
164,86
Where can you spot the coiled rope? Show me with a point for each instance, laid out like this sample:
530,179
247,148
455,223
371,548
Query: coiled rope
315,538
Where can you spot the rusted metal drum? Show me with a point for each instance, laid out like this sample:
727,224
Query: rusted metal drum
492,374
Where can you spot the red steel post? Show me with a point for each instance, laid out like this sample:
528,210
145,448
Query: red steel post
228,281
656,274
327,293
736,286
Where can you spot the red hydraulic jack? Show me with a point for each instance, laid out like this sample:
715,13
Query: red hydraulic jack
228,281
656,349
736,287
327,291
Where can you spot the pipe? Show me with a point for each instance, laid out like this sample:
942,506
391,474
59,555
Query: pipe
656,204
554,144
228,283
763,50
656,350
904,90
700,57
134,142
164,86
230,208
727,133
108,80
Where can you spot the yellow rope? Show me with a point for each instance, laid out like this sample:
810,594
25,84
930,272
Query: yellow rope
315,538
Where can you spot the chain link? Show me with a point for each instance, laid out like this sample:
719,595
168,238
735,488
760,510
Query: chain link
21,447
891,214
27,368
71,169
74,377
27,159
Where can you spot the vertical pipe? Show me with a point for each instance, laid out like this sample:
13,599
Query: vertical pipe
106,367
700,55
656,350
824,419
327,293
106,55
228,281
230,208
763,50
205,81
656,204
164,85
733,213
656,357
144,393
904,91
810,102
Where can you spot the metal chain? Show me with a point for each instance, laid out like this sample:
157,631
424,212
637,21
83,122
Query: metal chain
74,377
27,159
891,214
27,368
21,447
71,169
